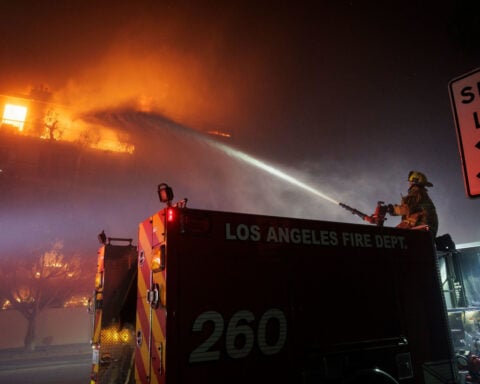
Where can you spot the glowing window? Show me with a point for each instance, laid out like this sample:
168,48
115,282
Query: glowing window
14,115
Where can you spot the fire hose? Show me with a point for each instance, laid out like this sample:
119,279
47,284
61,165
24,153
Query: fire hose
377,218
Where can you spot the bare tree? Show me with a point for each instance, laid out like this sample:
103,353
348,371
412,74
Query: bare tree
45,279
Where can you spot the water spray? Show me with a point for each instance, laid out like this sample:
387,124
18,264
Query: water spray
270,169
248,159
377,218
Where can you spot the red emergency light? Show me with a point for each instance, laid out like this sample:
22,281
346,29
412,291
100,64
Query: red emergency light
170,215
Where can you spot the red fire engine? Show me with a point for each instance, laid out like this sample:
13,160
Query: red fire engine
217,297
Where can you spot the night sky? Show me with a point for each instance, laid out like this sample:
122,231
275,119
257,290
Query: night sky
346,96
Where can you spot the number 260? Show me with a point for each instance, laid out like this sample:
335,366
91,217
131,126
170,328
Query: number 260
238,326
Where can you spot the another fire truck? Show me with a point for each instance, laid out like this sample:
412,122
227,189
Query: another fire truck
216,297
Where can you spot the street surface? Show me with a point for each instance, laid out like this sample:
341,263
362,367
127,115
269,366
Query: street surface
56,369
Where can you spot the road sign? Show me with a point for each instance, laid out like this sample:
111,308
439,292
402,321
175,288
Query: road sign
465,99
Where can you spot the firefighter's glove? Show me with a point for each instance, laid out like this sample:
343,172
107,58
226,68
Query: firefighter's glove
390,209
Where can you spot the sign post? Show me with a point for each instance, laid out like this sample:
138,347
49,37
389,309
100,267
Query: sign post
465,99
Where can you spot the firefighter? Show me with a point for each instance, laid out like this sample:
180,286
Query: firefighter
416,209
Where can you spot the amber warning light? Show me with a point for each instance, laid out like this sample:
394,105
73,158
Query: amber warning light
14,115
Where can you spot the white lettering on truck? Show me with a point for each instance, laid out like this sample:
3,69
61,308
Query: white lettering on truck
273,234
242,232
309,236
241,324
301,236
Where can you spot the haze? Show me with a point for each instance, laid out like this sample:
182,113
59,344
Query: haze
344,96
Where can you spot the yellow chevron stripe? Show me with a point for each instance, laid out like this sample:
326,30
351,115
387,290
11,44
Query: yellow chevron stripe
143,308
157,332
143,355
98,326
142,321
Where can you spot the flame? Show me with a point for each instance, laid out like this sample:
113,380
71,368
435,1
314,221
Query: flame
220,133
76,301
57,123
15,115
62,126
109,141
6,304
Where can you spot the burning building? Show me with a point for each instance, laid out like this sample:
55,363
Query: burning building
43,145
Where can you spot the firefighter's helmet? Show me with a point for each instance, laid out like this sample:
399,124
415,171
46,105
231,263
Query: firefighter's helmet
419,178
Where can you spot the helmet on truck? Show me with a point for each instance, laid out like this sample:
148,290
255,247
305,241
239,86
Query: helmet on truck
419,178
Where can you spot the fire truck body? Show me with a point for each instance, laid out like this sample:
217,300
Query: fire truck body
113,311
234,298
